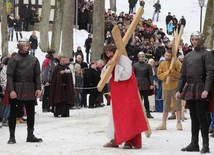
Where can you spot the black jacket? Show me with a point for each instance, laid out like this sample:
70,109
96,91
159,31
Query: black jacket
34,42
18,25
157,7
183,21
168,19
91,78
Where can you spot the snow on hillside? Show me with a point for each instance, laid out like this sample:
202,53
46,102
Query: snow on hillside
188,8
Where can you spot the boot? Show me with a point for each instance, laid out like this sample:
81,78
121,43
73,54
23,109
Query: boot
162,126
31,137
173,116
12,139
193,146
179,125
205,148
17,36
148,115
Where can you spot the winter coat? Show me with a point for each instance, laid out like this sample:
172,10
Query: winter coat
88,43
175,21
183,22
78,82
62,88
10,22
168,19
91,78
170,27
34,42
132,3
3,77
79,52
26,13
157,7
160,50
18,25
47,68
82,17
132,52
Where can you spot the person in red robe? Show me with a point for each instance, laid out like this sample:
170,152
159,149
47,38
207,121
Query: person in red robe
127,119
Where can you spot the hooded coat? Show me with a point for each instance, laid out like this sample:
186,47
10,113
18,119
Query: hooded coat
62,88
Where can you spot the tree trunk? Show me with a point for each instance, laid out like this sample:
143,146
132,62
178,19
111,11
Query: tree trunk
57,26
209,25
67,28
113,5
4,31
98,31
44,25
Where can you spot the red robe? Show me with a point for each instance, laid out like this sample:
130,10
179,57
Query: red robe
128,116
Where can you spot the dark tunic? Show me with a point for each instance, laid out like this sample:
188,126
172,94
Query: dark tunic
144,75
197,74
23,76
62,89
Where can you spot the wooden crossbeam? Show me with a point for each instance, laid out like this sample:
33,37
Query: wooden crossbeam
125,40
175,46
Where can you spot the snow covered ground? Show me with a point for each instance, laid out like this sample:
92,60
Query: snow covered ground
84,132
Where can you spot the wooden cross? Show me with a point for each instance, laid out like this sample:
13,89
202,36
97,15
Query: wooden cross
121,44
175,46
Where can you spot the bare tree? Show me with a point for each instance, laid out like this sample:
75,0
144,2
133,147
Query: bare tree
113,5
44,25
209,25
57,26
4,31
98,29
67,28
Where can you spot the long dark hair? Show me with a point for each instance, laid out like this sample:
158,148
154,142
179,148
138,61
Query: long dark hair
109,47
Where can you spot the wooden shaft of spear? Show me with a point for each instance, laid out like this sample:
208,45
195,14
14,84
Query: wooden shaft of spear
175,46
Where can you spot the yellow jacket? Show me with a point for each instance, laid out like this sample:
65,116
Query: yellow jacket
174,74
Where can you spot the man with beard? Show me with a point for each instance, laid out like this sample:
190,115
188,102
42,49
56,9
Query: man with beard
127,119
169,90
47,70
144,75
197,75
24,87
62,89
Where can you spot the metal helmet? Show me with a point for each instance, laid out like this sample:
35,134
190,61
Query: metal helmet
22,42
198,35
